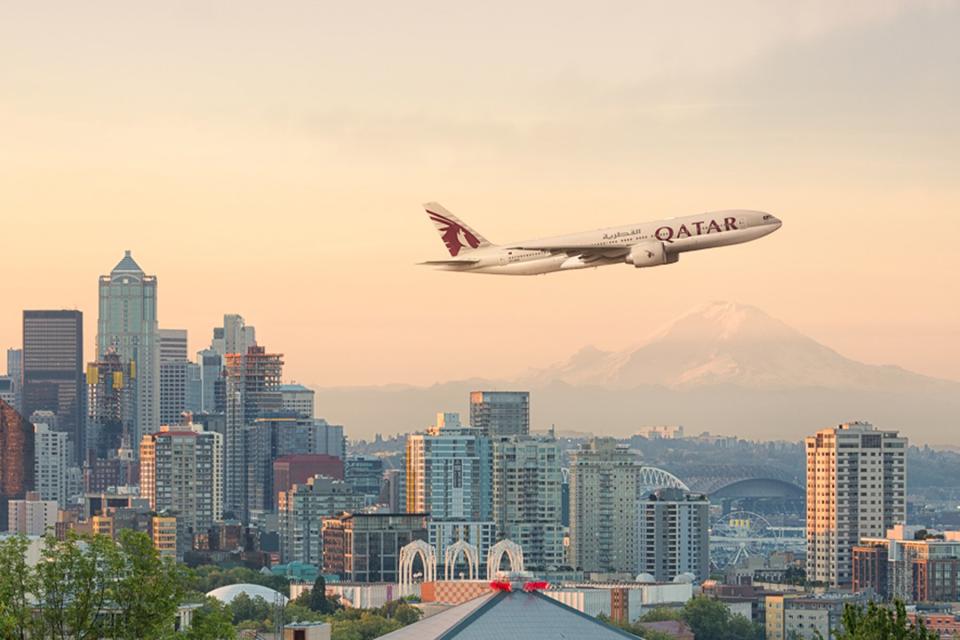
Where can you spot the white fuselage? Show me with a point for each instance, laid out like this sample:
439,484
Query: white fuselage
677,235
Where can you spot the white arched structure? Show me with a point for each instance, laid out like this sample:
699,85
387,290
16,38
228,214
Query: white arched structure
408,554
514,553
652,478
470,554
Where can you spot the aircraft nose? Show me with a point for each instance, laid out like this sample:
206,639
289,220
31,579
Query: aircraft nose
776,222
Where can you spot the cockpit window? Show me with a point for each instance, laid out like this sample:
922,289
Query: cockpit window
767,217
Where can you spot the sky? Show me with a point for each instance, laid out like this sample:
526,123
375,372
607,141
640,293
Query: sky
270,159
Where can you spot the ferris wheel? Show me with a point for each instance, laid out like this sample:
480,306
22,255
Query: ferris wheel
738,535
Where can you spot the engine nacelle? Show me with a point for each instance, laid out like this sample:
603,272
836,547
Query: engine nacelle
650,254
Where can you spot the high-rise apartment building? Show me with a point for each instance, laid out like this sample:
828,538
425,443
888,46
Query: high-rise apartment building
910,564
393,491
673,535
301,512
252,390
449,474
51,460
127,325
210,364
180,472
16,459
856,488
604,480
298,399
500,413
527,498
53,371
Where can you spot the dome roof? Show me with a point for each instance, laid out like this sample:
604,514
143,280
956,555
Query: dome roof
227,593
685,578
646,578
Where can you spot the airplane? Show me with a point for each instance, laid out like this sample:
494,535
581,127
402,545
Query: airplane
647,244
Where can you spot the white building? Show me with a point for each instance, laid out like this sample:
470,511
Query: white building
51,456
32,516
301,513
856,488
297,398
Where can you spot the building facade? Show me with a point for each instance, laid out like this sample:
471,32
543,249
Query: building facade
180,473
909,564
365,547
51,460
173,375
856,488
500,413
302,510
127,325
673,535
603,507
298,399
17,455
364,474
32,516
527,498
53,372
449,474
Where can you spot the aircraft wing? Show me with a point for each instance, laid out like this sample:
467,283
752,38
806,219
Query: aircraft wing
451,263
586,251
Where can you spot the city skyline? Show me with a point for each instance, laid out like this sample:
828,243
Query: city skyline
613,129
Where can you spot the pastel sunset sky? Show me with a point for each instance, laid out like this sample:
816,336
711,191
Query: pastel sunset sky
270,159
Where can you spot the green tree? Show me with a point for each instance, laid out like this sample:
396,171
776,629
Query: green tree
659,614
16,582
881,623
211,622
318,600
245,608
710,619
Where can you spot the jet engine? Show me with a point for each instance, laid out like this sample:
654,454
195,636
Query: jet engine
649,254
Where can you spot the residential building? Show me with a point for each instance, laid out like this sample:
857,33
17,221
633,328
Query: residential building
449,474
301,512
8,392
32,516
51,460
393,491
52,372
180,473
127,325
364,474
17,455
500,413
856,488
527,498
298,399
252,390
798,617
673,535
165,536
909,564
365,547
604,477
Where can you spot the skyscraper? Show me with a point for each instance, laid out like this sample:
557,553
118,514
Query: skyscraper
856,488
53,372
112,404
604,480
127,323
173,375
16,459
674,535
211,372
500,413
252,390
302,509
15,373
527,493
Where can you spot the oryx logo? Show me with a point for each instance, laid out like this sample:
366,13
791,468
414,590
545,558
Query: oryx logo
453,234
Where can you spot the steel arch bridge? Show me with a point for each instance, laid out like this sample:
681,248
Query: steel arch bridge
652,478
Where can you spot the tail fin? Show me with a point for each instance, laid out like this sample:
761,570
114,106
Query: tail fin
453,231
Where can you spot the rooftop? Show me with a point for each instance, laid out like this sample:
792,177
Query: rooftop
127,264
